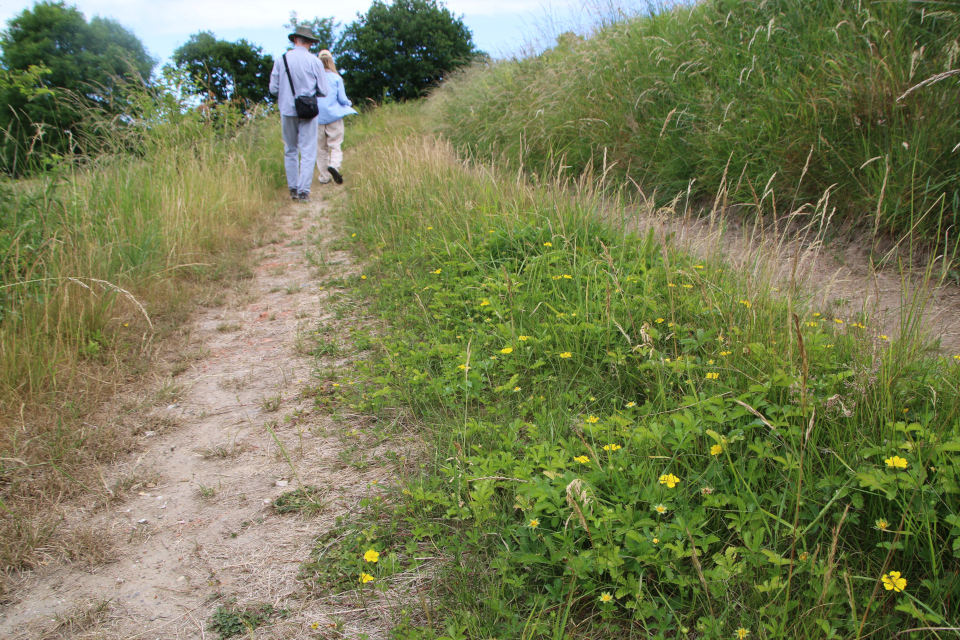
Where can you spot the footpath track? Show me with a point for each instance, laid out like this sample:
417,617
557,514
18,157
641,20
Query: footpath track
196,529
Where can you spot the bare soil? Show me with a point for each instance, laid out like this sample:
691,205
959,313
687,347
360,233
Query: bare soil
196,528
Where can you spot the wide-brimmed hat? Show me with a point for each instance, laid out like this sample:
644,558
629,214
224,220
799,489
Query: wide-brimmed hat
303,32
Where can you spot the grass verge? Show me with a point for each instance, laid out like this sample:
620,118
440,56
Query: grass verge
625,441
97,261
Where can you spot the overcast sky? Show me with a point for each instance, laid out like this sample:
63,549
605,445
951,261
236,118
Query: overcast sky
500,27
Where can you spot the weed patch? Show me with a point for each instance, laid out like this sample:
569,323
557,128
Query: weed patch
631,442
233,621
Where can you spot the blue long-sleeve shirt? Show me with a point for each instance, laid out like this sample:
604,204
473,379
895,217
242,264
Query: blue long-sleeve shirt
309,78
335,104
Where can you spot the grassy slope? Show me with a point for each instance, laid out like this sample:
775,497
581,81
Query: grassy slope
80,252
627,442
772,103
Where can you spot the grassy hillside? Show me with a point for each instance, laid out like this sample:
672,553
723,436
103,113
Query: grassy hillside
621,440
774,103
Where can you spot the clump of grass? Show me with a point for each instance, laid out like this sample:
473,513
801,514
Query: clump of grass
307,500
775,101
637,440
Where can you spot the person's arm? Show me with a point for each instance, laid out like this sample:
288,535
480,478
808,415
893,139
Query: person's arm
275,78
342,95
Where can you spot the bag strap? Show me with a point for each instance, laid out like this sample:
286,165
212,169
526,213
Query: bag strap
289,77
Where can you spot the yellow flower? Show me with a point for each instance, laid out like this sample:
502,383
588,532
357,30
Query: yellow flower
548,244
656,541
742,633
611,447
838,320
660,508
534,523
713,375
606,597
804,556
670,480
567,276
896,462
365,578
506,350
593,419
315,626
883,337
893,582
709,361
353,235
813,324
725,353
816,315
429,228
582,459
515,389
484,303
371,556
631,404
716,450
882,524
363,277
523,338
687,286
438,271
746,303
698,266
462,367
566,354
671,285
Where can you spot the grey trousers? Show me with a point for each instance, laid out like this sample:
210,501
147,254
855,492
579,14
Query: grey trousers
299,139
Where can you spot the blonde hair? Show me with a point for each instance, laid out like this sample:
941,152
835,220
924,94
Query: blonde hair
327,59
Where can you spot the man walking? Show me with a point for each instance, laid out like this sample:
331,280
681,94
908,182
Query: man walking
298,73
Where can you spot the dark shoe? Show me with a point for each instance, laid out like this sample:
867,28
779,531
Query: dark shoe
304,196
336,175
293,193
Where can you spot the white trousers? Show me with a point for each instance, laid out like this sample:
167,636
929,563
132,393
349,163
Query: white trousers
329,154
299,151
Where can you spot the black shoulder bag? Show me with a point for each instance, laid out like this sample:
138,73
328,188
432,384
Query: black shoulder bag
306,106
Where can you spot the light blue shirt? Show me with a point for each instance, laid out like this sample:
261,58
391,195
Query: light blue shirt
335,104
309,79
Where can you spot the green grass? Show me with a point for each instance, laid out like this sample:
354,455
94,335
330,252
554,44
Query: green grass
771,103
625,441
99,259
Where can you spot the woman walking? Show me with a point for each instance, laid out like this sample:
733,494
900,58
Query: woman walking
333,107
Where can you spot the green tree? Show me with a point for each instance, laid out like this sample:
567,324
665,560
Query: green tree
398,51
323,28
223,70
86,62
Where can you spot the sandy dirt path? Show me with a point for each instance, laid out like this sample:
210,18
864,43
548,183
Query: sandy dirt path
196,529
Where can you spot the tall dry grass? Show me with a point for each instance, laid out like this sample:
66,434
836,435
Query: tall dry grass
776,101
98,256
